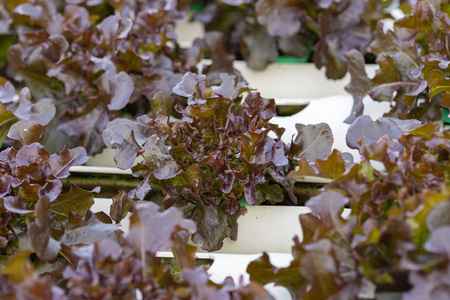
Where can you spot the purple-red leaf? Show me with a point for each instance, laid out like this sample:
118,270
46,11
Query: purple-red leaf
25,132
151,230
231,87
439,241
193,87
116,88
128,138
372,131
158,161
312,141
328,206
41,112
281,18
7,91
321,270
68,158
30,154
45,247
15,205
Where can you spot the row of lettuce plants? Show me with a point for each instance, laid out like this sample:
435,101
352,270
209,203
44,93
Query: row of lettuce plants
79,76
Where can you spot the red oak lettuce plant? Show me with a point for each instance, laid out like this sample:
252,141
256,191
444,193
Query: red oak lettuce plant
413,64
53,246
219,153
22,120
37,216
260,30
89,60
396,236
126,267
97,59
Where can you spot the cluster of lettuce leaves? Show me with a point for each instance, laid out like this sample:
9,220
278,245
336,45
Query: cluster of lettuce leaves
413,61
222,151
261,30
52,246
97,60
395,238
85,61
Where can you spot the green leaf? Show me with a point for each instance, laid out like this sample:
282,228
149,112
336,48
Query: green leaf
263,272
7,118
421,19
304,169
18,267
161,100
332,167
425,131
270,192
76,199
438,82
